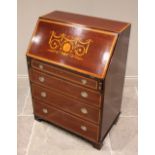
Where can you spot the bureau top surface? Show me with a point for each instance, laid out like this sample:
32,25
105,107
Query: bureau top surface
79,43
99,23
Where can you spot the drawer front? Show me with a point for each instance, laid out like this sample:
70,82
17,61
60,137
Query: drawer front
64,87
65,120
65,103
64,74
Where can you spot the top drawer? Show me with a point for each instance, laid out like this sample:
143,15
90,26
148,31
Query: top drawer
64,74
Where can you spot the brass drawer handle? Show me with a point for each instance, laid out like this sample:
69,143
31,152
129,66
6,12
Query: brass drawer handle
83,81
45,111
41,79
84,128
41,66
43,94
84,94
84,110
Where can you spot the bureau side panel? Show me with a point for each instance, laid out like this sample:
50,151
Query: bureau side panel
114,82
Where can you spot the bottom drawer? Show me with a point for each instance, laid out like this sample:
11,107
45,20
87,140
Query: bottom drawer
67,121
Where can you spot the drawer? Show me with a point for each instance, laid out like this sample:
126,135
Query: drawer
66,103
64,87
64,74
67,121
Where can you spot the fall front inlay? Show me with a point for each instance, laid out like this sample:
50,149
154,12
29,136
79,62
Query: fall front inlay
65,45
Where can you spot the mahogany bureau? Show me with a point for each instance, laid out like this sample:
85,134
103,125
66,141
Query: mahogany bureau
76,68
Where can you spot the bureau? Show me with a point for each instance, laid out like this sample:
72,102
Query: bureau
76,67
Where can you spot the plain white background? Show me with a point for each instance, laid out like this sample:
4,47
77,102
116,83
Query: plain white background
8,77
